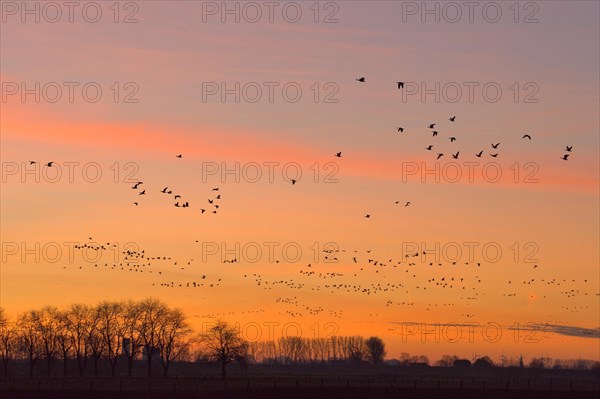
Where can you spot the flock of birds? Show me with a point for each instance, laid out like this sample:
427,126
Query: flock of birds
410,281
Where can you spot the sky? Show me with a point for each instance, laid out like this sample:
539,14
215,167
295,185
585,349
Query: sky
256,95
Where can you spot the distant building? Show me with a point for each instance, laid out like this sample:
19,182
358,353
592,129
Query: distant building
462,363
483,363
154,351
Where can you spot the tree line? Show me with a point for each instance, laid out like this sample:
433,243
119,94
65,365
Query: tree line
115,332
149,331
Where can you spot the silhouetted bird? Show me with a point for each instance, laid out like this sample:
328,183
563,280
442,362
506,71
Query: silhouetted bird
362,79
339,154
434,133
142,192
293,182
494,155
564,158
455,156
479,154
526,136
430,147
569,148
432,126
495,145
452,119
439,156
179,156
401,129
400,85
49,164
452,139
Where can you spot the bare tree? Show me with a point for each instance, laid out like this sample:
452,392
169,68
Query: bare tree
8,341
132,339
46,323
76,322
64,339
30,342
356,348
224,344
95,338
172,335
111,326
375,348
153,314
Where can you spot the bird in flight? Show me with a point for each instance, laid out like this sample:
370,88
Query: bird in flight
439,156
430,147
495,145
135,186
361,79
432,126
455,156
526,136
401,129
135,203
32,162
400,85
452,139
338,154
177,196
479,154
407,204
179,156
203,210
452,119
564,158
164,190
569,148
434,133
216,189
494,155
49,164
293,182
367,216
142,192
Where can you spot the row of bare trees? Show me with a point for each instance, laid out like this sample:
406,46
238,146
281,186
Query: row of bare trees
115,332
291,350
125,332
88,334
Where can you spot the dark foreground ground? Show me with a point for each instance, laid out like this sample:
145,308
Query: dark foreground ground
306,387
306,393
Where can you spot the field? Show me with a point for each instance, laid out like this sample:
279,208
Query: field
430,383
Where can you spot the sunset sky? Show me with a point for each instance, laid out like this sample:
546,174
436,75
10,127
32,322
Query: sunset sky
539,65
